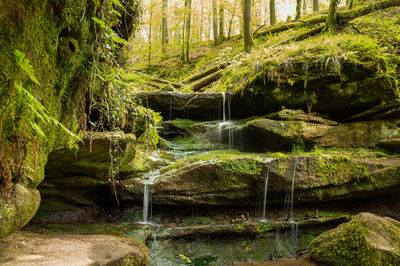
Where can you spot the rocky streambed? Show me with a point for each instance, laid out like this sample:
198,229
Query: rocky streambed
221,192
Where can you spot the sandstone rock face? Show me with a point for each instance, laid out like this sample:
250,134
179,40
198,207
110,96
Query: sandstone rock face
222,178
356,96
356,91
366,240
36,249
390,145
264,134
196,106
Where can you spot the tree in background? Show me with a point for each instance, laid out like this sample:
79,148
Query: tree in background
215,21
164,27
272,14
298,9
331,19
221,36
315,5
247,34
188,14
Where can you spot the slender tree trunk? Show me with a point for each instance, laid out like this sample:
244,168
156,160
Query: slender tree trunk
188,8
177,33
231,20
331,19
315,5
184,32
248,40
201,22
298,9
351,4
304,7
221,22
164,27
272,14
150,33
215,21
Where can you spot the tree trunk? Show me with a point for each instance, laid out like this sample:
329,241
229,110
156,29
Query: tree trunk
315,5
188,5
248,39
304,7
164,27
205,73
331,19
215,21
351,4
150,32
298,9
221,37
272,15
207,81
201,22
231,20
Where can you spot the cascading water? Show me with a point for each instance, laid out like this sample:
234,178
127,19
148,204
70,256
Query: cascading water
265,192
225,122
146,200
148,180
292,192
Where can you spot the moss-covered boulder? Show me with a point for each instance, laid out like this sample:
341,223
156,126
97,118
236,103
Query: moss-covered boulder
366,240
264,134
233,178
95,155
19,210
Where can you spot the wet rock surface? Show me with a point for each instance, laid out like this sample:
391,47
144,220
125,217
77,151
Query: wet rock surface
234,178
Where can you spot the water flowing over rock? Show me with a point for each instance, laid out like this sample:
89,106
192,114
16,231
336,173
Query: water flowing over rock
366,240
221,178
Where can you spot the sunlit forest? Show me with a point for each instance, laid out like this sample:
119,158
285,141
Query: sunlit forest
187,132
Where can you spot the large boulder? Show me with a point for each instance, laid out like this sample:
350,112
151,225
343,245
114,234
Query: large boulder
263,134
366,240
26,248
224,178
19,210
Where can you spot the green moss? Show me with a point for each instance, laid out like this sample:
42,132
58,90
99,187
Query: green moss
264,227
362,241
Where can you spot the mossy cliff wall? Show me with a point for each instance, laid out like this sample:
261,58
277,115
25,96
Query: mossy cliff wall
57,37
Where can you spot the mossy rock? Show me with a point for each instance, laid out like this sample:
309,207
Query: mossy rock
235,178
262,134
366,240
19,210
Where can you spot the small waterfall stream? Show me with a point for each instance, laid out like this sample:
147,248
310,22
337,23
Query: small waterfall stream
226,120
292,191
146,201
263,217
148,180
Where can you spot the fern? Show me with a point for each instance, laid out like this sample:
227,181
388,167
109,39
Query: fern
40,112
25,64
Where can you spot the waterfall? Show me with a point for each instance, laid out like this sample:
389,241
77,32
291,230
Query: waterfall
223,107
147,181
292,193
226,117
146,200
265,192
